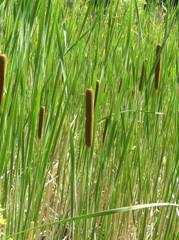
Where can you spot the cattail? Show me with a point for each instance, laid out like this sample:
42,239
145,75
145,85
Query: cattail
142,76
89,116
41,121
157,69
96,91
3,64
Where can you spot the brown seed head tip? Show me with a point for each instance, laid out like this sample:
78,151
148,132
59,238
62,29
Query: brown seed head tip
98,82
157,69
89,116
3,64
42,109
97,85
3,58
41,121
96,91
89,99
158,49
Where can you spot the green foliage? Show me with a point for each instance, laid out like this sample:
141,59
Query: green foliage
56,187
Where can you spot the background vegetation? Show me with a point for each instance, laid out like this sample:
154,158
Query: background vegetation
55,52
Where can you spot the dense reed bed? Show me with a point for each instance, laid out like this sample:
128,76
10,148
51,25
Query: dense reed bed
89,122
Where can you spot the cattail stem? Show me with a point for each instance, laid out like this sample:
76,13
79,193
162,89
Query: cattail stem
120,85
105,129
96,92
89,116
142,76
157,68
41,121
3,64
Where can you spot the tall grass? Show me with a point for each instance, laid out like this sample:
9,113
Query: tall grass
56,187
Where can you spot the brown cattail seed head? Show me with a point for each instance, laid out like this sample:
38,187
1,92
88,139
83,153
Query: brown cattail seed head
96,91
157,69
142,76
3,64
41,121
89,116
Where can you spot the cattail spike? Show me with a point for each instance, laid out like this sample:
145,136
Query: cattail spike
96,92
142,76
157,69
89,116
3,64
41,121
